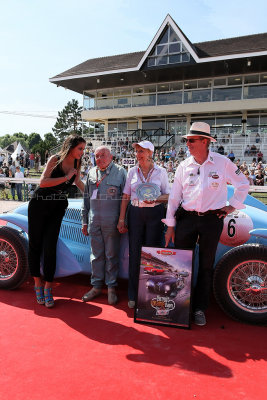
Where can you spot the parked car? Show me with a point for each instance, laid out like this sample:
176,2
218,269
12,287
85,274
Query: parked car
167,285
240,276
154,269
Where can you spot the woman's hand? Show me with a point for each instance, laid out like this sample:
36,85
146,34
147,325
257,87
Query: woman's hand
149,201
72,171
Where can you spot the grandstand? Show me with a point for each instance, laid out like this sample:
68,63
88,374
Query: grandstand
156,94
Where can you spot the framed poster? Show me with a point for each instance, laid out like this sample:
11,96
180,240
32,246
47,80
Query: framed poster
165,286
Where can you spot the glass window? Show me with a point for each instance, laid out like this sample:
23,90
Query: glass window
190,84
188,97
235,80
150,89
171,45
122,92
174,59
228,121
104,104
176,86
173,36
255,92
263,120
86,103
210,121
204,83
164,38
263,78
163,88
185,57
220,82
132,126
138,90
122,102
200,96
253,121
151,62
153,125
145,100
197,96
162,49
162,60
225,94
105,93
170,98
251,79
92,103
122,126
174,48
112,127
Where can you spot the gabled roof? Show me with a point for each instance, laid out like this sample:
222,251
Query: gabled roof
216,50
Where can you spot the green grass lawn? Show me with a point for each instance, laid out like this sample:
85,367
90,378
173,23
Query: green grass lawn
260,196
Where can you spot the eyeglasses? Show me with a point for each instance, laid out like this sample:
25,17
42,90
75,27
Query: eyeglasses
192,140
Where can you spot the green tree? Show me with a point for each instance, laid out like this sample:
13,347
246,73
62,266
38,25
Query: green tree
68,121
50,141
5,141
33,138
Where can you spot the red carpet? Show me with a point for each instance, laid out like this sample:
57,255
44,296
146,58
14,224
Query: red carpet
95,351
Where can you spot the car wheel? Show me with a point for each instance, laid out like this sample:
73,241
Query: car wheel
13,258
240,283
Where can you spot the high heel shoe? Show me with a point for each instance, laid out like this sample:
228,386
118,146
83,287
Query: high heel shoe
39,291
49,301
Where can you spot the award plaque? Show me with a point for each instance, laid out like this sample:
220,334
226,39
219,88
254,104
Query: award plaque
148,191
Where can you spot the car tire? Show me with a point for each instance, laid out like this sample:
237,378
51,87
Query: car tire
240,283
13,258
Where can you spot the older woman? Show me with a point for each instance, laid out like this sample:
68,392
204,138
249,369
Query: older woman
144,217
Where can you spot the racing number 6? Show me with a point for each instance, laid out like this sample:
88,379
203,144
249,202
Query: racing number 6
231,228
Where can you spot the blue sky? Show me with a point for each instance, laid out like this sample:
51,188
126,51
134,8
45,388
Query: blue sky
40,39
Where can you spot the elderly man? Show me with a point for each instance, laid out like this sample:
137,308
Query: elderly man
197,203
100,213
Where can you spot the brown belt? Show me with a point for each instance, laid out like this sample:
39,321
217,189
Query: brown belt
202,214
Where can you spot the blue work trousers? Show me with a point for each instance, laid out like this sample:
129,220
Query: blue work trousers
105,245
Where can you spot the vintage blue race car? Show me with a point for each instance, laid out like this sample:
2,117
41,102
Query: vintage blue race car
240,276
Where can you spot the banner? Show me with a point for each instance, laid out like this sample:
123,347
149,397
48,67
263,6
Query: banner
165,285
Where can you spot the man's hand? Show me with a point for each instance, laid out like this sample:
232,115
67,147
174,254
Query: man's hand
121,226
225,211
169,235
85,230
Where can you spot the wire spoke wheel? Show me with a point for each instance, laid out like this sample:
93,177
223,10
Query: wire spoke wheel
8,260
247,286
13,258
240,283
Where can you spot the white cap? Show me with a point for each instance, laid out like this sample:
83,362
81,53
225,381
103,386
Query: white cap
145,144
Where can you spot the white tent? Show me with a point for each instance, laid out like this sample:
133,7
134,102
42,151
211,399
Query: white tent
17,152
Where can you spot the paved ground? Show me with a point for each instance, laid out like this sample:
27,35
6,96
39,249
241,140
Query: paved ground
8,205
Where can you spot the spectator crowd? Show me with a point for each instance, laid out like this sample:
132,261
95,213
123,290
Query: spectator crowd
169,158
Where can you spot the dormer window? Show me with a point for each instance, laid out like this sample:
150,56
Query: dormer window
169,50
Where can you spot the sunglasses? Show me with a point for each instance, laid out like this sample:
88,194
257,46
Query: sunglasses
192,140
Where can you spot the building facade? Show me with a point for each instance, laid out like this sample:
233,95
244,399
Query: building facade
174,83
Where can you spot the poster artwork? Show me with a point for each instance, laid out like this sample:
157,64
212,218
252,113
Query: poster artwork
164,291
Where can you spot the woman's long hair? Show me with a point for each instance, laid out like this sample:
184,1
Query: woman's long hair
69,144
